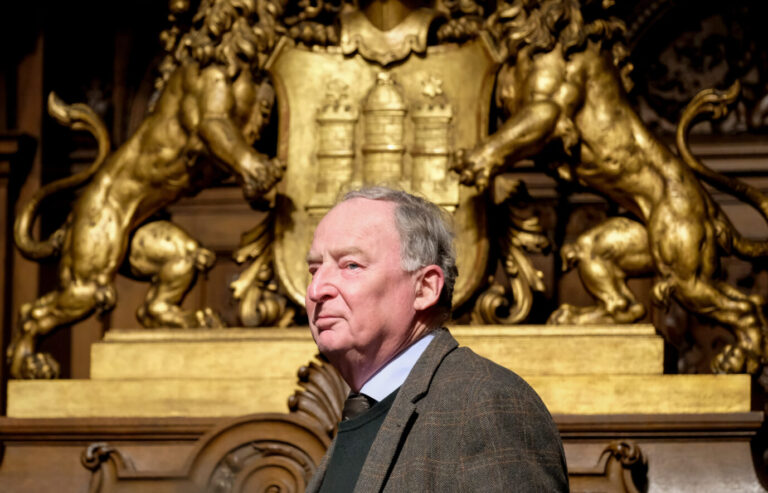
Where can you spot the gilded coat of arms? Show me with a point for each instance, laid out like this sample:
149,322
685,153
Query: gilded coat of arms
393,114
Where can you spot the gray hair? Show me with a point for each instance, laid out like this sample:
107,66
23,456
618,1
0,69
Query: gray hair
426,237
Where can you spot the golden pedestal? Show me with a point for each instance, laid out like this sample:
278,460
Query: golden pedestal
210,373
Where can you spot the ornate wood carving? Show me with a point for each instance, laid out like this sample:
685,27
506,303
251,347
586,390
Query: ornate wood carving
322,395
262,452
279,453
621,468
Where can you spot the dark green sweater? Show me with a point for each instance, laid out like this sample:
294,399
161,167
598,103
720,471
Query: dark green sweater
353,441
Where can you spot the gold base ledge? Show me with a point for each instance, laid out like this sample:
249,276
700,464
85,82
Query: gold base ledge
227,353
208,335
147,398
577,370
278,353
588,394
568,349
628,394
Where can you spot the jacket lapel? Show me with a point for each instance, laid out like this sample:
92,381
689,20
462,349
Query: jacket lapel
380,459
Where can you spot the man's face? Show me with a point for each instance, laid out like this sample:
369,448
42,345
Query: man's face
360,302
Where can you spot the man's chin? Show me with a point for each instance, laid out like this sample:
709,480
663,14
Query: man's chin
326,341
333,341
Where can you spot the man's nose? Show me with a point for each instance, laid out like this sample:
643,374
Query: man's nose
321,288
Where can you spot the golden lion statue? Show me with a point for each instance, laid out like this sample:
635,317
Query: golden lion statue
562,90
213,101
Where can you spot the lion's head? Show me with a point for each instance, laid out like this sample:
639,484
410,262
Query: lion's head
235,34
545,25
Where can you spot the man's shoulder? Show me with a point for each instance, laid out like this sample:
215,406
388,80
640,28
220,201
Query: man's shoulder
465,363
467,375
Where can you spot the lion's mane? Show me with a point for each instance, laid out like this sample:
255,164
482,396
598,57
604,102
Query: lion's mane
544,25
234,34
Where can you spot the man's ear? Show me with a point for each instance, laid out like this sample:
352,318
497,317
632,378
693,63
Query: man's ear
429,283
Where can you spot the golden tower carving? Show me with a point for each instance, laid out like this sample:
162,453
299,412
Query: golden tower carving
384,146
335,156
432,146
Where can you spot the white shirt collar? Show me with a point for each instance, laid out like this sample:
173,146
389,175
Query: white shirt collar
393,374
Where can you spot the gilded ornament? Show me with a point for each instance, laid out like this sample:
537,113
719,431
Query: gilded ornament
563,94
403,94
212,102
394,120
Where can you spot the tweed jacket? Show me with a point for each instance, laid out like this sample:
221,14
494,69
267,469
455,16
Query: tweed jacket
461,423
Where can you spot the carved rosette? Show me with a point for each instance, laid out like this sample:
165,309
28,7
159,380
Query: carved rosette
262,466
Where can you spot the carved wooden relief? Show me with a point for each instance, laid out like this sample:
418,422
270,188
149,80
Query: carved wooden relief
621,468
280,452
258,453
322,396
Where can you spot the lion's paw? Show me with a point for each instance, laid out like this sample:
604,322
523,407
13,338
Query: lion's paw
735,359
261,178
563,315
209,319
586,315
730,360
473,168
39,366
204,259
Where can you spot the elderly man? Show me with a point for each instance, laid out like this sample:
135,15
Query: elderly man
423,415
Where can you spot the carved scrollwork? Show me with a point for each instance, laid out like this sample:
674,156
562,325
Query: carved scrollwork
105,462
627,452
264,467
322,394
260,302
518,234
98,453
465,20
257,453
622,467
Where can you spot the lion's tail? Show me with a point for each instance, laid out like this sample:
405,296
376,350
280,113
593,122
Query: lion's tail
716,103
77,117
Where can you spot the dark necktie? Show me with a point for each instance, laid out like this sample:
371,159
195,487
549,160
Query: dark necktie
355,405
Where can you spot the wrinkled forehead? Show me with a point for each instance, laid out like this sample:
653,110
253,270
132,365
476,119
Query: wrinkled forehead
359,223
360,212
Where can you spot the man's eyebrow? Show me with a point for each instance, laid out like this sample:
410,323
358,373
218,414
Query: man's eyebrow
337,253
311,257
347,251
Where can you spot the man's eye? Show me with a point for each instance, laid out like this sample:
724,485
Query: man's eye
353,266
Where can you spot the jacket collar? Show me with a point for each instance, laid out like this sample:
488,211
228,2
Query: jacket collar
392,432
381,457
